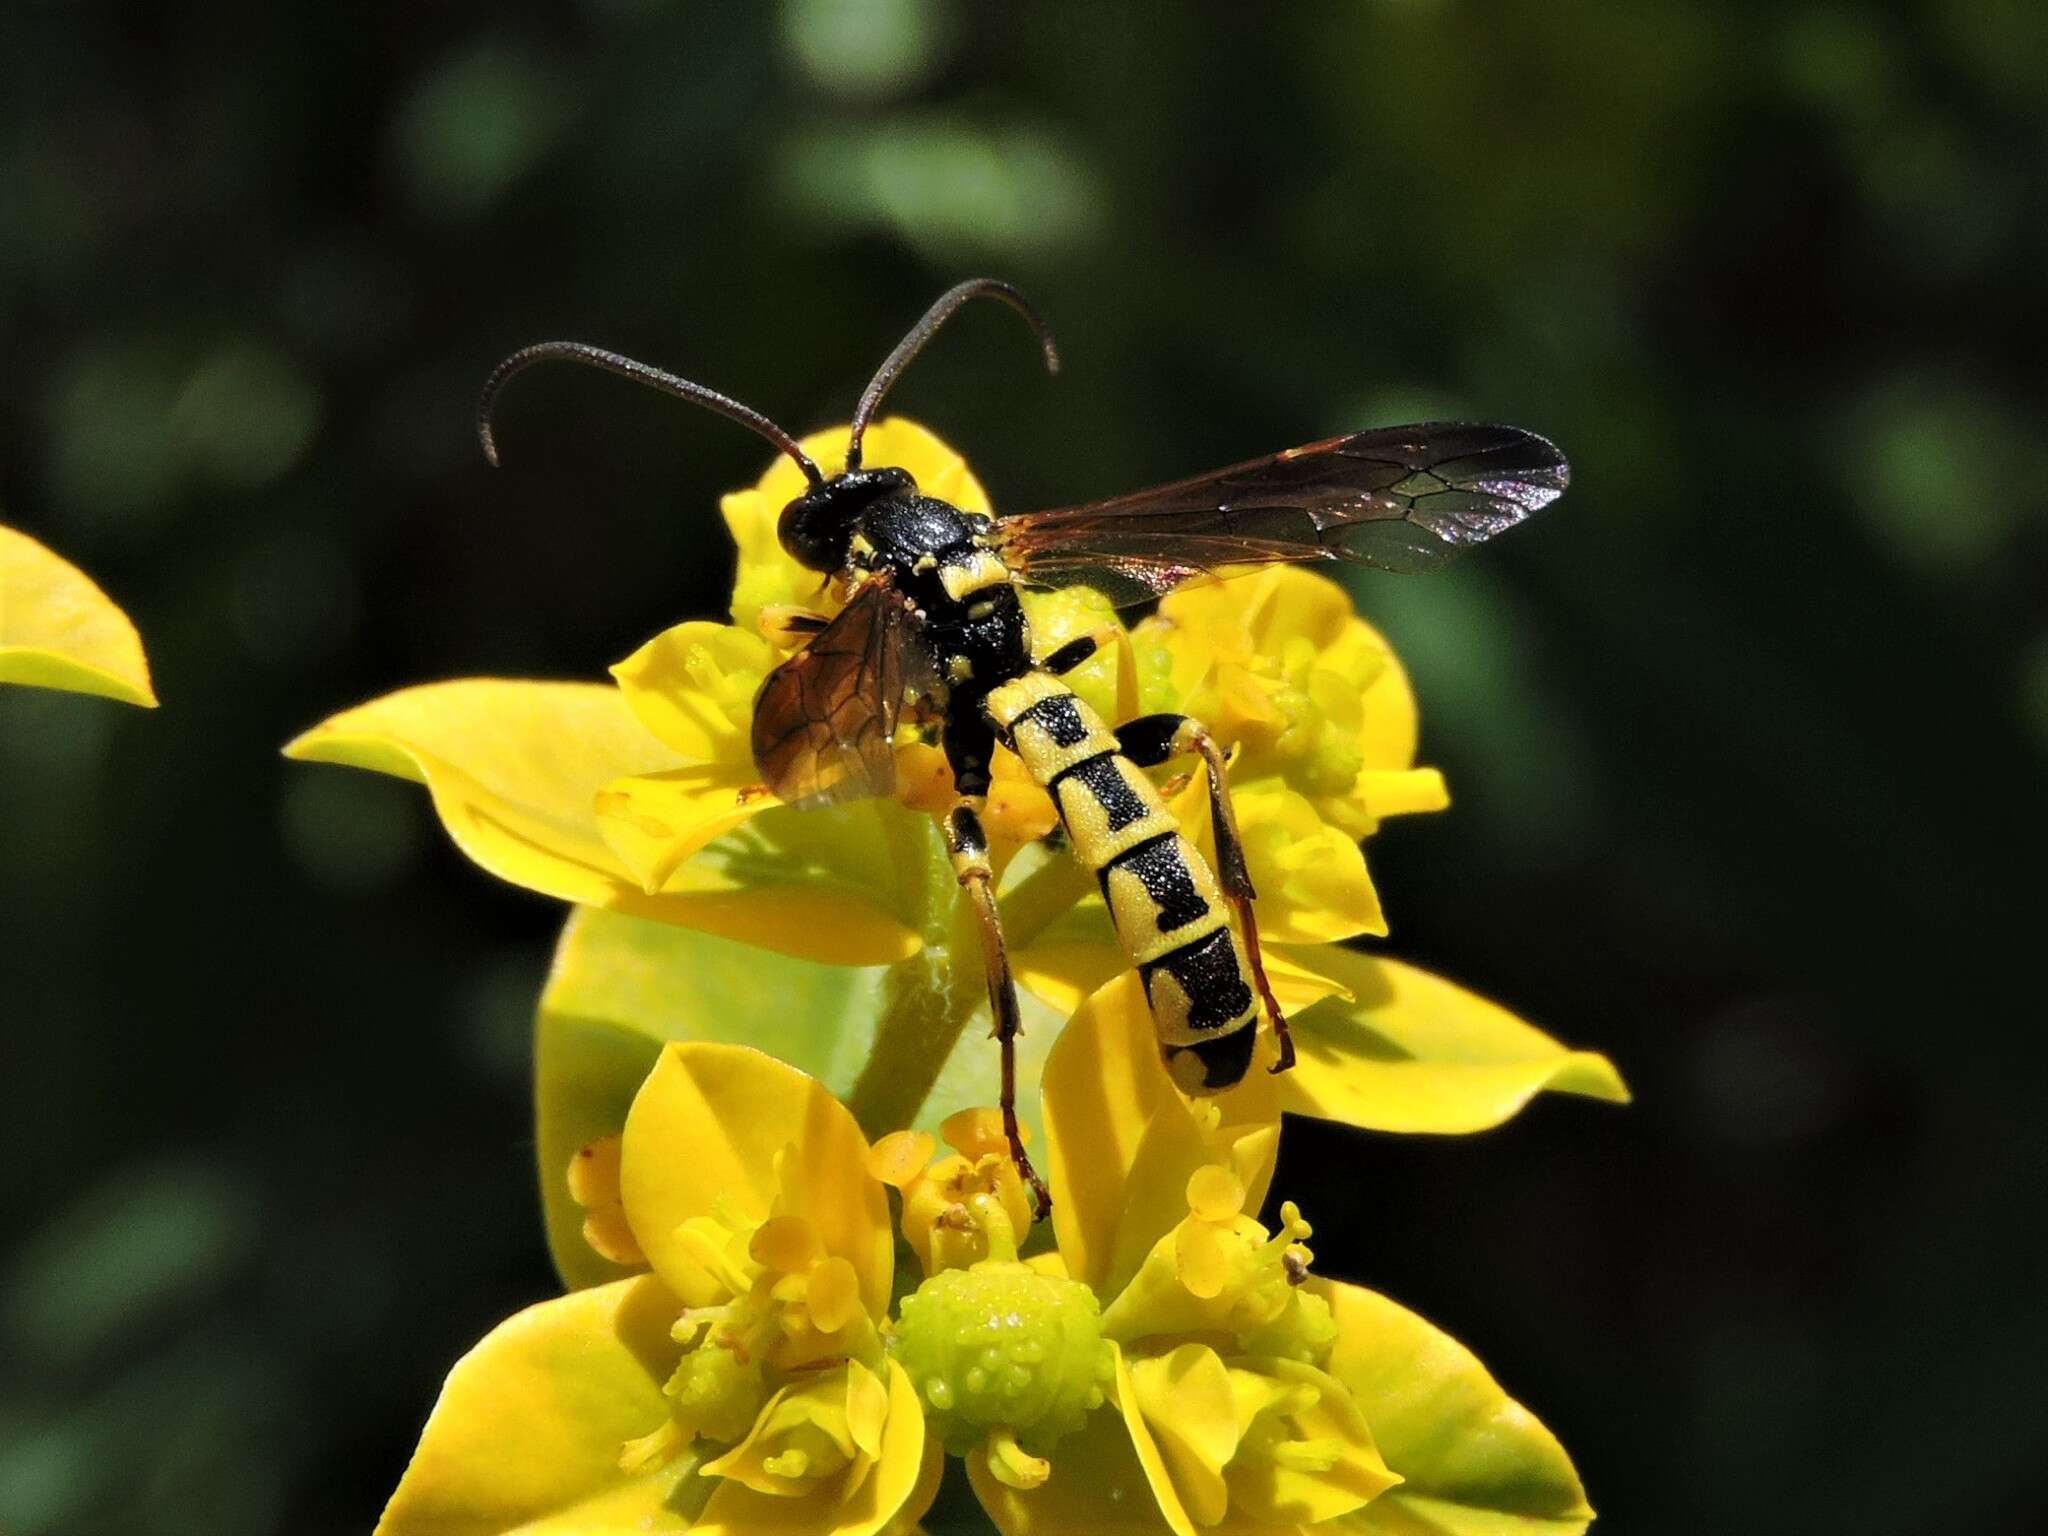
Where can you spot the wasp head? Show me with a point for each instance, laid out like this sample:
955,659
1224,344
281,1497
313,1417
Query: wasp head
817,528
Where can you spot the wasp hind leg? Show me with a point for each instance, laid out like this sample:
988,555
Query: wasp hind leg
968,845
1153,739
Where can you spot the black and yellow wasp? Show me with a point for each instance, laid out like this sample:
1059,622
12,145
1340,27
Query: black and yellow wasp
932,629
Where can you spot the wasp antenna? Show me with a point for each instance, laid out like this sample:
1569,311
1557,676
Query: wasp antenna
639,373
924,330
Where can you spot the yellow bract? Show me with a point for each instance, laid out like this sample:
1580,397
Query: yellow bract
721,1123
59,630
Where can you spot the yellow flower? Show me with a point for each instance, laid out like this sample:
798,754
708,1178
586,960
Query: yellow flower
739,1387
59,630
640,799
1280,668
1169,1365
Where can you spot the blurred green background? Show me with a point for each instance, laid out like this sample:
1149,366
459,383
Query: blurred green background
1747,736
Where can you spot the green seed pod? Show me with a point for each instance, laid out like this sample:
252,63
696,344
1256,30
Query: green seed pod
1000,1346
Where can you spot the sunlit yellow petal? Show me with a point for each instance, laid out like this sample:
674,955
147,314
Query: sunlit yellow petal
59,630
657,822
709,1124
693,686
1121,1142
1185,1399
529,1428
889,1492
1415,1052
1472,1458
1344,1469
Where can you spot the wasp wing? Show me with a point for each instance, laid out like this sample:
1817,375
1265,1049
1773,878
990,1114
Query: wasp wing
824,719
1400,498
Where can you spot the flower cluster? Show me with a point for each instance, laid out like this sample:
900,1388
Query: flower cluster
751,1343
1167,1364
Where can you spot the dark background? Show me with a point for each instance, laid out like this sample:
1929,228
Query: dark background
1747,736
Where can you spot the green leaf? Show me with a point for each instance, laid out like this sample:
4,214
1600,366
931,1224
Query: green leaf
1475,1461
901,1045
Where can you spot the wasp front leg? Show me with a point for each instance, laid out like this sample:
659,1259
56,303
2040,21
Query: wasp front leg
1151,740
968,845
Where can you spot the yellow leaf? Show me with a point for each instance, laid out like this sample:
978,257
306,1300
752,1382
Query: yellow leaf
1414,1052
59,630
513,768
528,1430
516,769
1474,1461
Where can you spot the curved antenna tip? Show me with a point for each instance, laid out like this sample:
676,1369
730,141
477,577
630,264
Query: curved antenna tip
941,311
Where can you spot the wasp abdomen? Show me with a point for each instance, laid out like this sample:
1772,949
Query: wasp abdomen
1168,909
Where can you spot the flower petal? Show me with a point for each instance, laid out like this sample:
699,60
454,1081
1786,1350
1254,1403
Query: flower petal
891,1491
621,987
1417,1053
1270,1492
59,630
693,686
1186,1402
1473,1459
1122,1142
709,1124
527,1433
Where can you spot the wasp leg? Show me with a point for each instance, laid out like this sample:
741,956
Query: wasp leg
968,845
1149,741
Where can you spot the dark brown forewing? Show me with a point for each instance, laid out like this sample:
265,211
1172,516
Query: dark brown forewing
1400,498
824,718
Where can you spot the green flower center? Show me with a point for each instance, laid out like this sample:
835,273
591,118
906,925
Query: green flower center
1001,1348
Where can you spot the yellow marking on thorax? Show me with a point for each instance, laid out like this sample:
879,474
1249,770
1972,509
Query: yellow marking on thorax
977,571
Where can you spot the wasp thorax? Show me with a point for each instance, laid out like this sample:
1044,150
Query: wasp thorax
818,526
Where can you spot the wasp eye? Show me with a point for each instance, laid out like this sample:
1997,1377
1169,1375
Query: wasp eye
818,526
